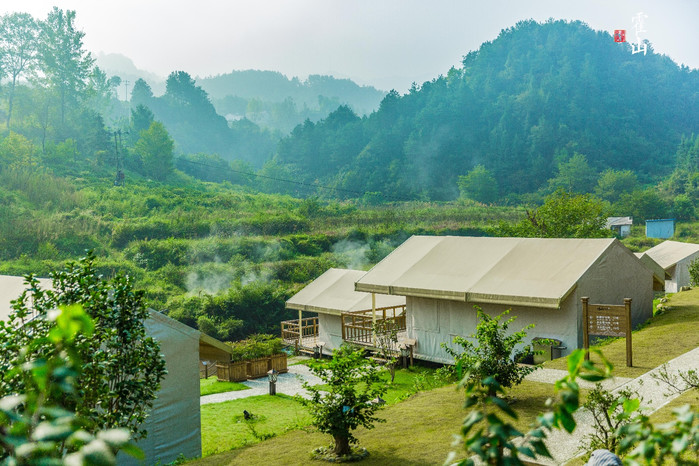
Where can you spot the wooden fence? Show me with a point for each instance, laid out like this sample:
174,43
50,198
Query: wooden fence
251,369
208,370
357,326
307,334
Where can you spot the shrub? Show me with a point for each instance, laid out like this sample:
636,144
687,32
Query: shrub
256,346
495,355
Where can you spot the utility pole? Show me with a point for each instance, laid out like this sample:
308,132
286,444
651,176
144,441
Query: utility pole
126,92
120,178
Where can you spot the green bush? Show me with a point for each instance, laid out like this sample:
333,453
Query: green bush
256,346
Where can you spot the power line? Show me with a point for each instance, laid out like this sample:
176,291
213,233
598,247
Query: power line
301,183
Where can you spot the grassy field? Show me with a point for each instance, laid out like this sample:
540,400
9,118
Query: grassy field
665,337
212,385
417,431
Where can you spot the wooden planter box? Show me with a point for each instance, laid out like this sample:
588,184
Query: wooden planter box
232,372
257,367
278,362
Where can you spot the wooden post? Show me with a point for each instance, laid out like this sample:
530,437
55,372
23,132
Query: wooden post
629,350
586,337
373,318
300,328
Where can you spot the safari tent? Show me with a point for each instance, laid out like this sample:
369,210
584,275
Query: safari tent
674,257
331,295
541,280
174,423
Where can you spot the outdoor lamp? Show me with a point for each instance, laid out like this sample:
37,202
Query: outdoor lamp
206,369
273,374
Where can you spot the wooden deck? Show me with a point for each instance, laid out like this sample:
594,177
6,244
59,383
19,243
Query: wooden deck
308,331
357,327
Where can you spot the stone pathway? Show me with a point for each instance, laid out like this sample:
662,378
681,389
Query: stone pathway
564,446
288,384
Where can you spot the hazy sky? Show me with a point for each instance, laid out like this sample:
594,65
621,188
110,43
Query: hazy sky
385,43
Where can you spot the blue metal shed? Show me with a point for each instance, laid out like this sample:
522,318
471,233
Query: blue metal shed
663,228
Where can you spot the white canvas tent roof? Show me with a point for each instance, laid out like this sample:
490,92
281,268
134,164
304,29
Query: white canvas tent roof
334,293
10,289
659,273
668,253
538,272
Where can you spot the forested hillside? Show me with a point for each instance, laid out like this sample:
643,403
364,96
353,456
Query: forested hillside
521,106
274,101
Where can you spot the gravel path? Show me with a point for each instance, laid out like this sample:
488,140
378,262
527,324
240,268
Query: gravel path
288,384
564,446
552,375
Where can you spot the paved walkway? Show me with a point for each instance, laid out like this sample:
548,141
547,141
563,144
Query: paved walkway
288,384
564,446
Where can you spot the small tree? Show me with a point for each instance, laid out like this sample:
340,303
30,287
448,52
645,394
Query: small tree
123,366
496,354
344,401
386,342
35,426
694,272
479,184
609,416
563,215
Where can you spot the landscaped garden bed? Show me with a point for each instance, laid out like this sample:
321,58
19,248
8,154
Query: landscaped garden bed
253,358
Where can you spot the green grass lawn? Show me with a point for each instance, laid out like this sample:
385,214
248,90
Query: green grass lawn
417,431
212,385
667,336
224,428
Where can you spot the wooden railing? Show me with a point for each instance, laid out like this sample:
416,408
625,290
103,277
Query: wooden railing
308,331
357,325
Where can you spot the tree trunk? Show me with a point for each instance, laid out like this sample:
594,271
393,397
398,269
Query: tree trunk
342,446
11,101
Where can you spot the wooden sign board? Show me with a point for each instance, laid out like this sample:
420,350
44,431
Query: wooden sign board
609,321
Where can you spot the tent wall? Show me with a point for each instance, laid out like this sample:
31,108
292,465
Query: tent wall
433,322
680,274
330,332
174,425
614,276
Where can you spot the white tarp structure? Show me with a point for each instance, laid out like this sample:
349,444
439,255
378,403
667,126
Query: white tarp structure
10,289
174,425
330,295
540,280
674,257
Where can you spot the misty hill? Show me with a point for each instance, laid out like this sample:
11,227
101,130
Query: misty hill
272,100
191,119
521,106
115,64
